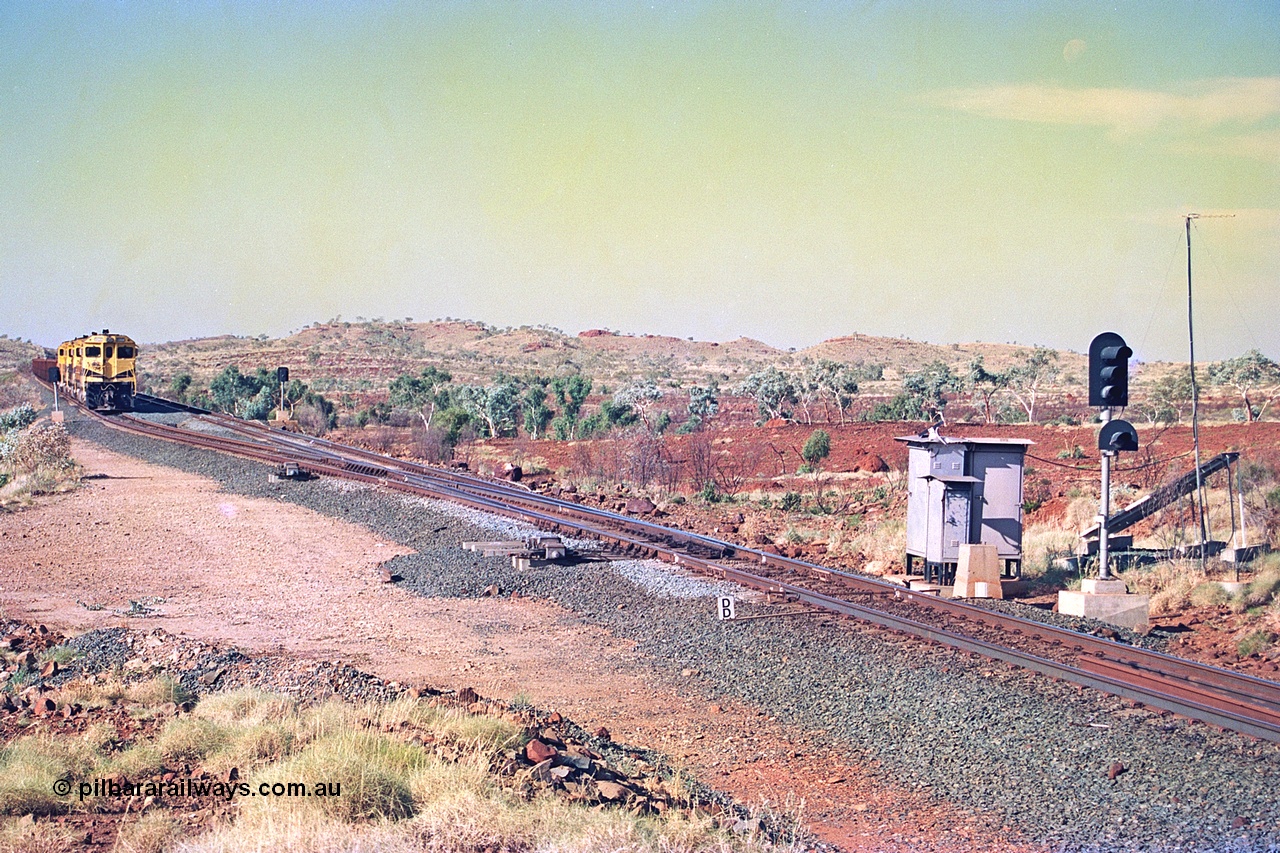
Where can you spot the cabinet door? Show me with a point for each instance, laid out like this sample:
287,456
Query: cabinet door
998,506
956,506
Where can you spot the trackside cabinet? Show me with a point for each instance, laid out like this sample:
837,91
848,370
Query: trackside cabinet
962,491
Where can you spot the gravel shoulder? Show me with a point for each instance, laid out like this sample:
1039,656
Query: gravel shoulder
891,745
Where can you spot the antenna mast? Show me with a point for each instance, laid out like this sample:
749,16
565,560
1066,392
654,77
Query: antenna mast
1195,392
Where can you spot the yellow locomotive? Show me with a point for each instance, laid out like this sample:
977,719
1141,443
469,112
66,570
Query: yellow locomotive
99,370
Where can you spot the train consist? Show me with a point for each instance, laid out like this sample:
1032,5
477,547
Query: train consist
99,370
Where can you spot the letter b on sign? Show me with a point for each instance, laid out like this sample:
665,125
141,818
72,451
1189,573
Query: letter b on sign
727,607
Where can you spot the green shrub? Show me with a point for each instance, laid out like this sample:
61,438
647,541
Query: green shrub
46,447
816,449
1260,592
20,416
790,502
1209,594
1255,643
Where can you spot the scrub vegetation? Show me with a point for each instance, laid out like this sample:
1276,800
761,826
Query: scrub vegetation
35,457
407,775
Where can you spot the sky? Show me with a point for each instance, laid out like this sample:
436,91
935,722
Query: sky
791,172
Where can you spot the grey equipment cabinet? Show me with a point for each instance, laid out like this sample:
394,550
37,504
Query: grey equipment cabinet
962,491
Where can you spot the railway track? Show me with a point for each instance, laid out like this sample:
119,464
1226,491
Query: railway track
1212,695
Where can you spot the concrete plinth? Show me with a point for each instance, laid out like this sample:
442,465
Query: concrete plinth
978,573
1107,601
1242,553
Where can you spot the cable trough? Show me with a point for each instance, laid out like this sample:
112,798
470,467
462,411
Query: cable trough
1217,696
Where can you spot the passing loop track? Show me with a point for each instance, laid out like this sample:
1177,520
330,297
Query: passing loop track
1209,694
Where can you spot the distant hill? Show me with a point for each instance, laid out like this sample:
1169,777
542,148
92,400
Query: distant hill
17,355
366,356
16,385
355,361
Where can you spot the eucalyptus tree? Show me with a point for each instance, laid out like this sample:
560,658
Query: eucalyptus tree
1254,377
421,394
773,391
1028,379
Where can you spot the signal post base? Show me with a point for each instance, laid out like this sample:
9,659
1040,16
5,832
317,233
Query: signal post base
1107,601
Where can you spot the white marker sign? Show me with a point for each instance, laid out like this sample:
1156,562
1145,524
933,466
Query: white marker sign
727,610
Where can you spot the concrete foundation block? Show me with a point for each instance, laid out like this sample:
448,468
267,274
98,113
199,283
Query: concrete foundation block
1097,586
978,573
1115,608
1243,553
1013,588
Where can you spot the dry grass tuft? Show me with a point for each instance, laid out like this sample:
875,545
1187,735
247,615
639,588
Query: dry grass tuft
1209,594
884,543
1043,545
23,835
474,815
1081,512
28,769
157,691
188,740
140,761
30,765
373,771
35,460
394,794
1169,584
152,832
246,706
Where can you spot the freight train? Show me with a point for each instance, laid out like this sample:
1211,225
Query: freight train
99,370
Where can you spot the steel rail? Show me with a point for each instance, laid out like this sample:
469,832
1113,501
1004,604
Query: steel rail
1245,687
1116,679
1252,709
1195,690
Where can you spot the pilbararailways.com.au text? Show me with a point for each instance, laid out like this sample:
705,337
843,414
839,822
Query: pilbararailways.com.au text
179,788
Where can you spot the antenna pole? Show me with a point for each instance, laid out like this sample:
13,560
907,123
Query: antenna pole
1195,404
